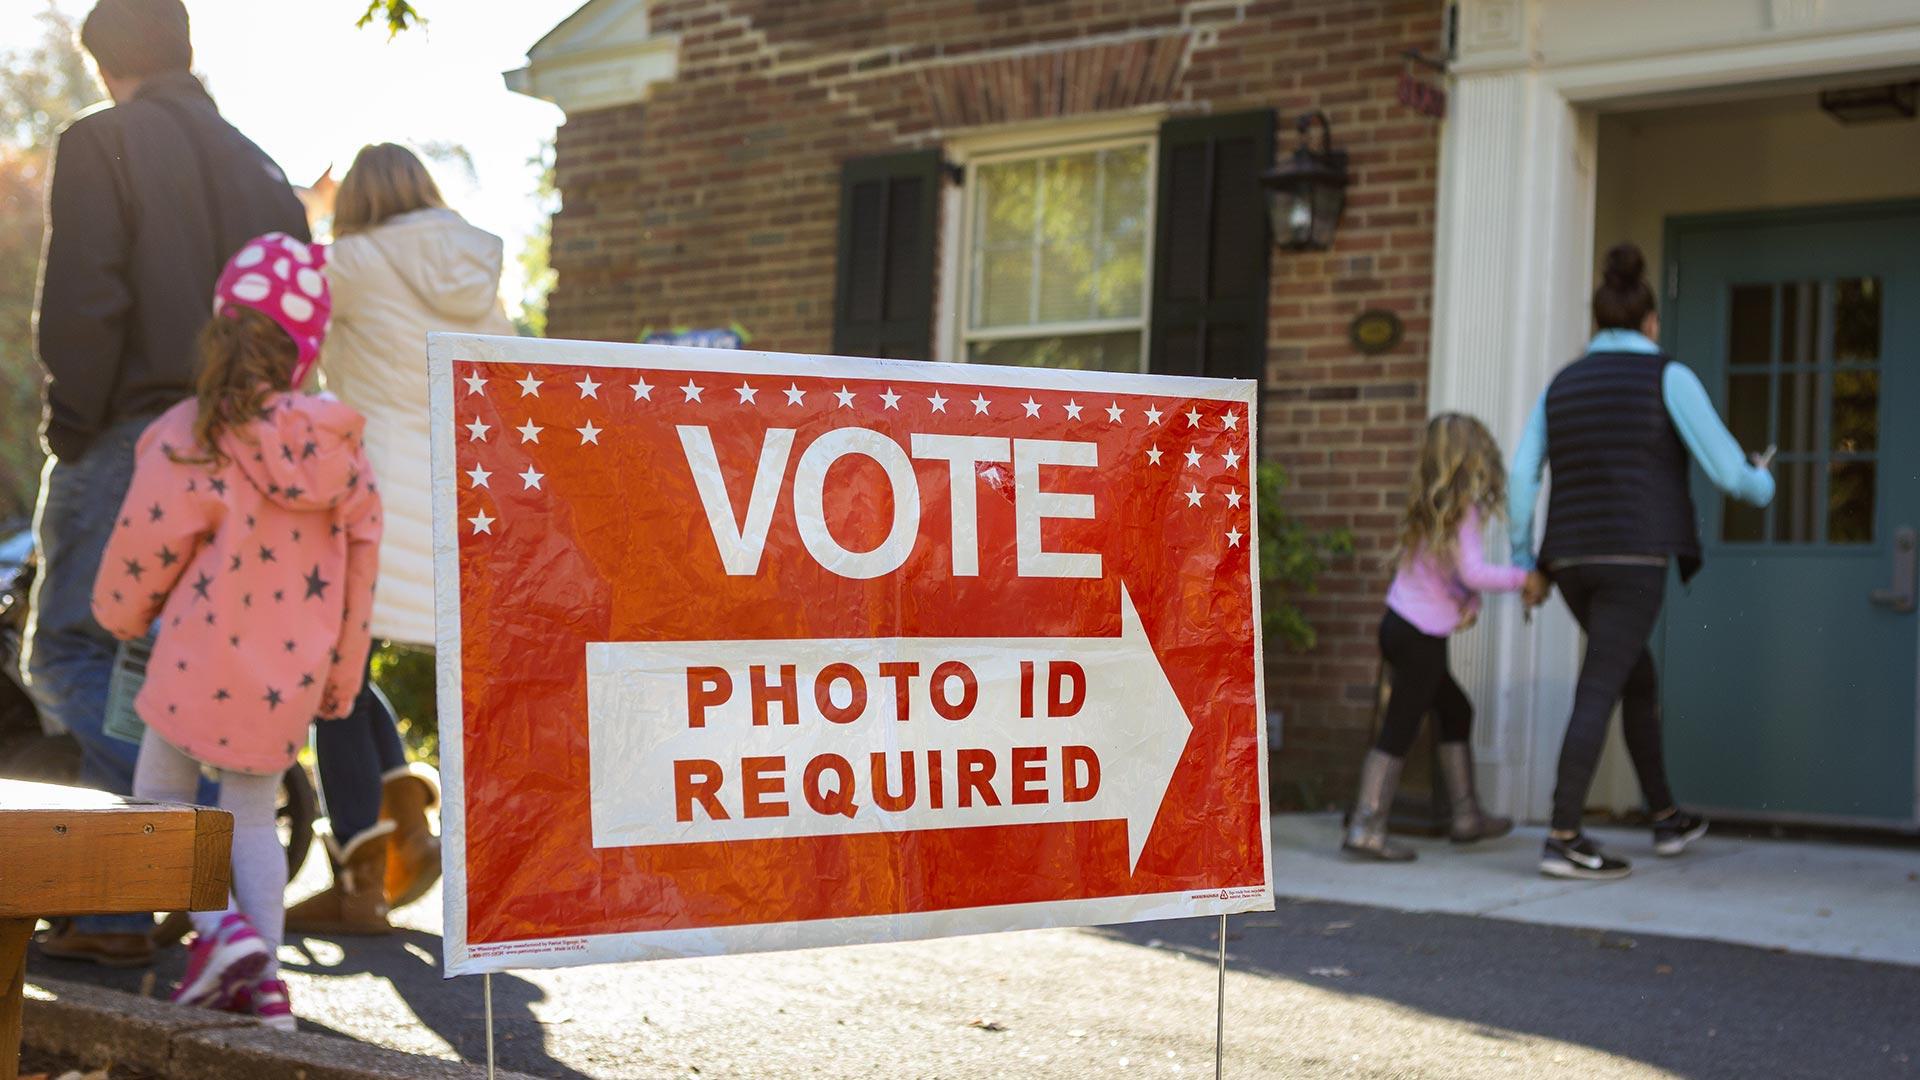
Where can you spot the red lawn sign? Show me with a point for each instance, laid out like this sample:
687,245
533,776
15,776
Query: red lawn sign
742,651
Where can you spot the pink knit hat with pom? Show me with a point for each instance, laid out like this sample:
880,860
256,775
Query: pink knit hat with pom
280,277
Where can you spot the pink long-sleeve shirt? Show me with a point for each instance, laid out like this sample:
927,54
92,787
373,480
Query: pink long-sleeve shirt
1435,597
261,571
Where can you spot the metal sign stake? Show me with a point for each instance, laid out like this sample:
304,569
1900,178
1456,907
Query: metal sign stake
486,983
1220,1004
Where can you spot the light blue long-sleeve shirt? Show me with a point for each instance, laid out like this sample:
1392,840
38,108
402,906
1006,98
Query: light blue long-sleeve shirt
1707,439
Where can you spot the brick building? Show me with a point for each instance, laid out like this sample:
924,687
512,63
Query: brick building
701,168
1075,181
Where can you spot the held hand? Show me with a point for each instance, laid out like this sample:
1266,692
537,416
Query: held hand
1536,590
1763,461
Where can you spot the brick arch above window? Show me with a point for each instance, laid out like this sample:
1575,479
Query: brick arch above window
1055,83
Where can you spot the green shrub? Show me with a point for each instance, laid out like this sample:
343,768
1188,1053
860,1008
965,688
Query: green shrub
1292,559
405,675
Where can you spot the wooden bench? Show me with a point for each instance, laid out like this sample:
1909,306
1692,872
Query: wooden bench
71,851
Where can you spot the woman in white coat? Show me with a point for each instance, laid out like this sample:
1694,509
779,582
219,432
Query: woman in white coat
402,265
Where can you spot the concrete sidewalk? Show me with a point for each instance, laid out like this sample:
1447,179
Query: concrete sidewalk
1826,899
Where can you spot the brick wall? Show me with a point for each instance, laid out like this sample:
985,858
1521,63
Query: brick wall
715,201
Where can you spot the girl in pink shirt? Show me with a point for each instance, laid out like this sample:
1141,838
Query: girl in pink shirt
249,540
1458,484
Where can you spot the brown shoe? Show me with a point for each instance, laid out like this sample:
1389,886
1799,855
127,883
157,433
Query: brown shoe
356,902
107,950
413,855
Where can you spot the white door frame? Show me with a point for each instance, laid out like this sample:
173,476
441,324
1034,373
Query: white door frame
1513,262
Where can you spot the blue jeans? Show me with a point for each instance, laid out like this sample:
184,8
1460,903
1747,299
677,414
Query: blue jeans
355,754
66,655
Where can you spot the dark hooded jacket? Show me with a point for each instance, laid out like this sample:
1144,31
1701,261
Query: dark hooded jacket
148,201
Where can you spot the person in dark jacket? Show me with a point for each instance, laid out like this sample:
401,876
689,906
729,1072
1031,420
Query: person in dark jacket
1619,427
149,198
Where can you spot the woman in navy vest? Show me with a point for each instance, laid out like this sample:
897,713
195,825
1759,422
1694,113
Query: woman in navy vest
1618,427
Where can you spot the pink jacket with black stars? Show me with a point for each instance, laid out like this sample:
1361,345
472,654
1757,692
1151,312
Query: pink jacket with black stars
261,569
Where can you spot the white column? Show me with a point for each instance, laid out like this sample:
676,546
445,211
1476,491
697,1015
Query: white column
1515,240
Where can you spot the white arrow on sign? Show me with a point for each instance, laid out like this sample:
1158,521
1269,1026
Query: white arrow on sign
658,778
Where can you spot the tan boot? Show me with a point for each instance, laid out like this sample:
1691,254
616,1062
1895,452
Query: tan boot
413,855
1367,829
1470,823
356,902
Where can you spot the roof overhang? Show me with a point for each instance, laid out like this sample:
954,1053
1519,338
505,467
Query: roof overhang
603,55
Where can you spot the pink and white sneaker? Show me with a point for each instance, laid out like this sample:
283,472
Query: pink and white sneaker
267,999
220,964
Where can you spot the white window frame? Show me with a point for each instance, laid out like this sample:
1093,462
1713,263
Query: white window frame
1026,142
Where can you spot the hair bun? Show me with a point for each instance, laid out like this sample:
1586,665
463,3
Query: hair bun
1626,266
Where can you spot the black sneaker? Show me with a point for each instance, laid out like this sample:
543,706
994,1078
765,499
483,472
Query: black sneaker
1582,859
1673,833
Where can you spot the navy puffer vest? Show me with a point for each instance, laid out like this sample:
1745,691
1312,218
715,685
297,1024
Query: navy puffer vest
1619,465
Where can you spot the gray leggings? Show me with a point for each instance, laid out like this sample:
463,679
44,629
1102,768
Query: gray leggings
165,774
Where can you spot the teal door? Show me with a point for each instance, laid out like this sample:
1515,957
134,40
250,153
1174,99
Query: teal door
1789,667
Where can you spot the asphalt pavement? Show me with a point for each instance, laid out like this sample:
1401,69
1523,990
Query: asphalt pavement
1314,990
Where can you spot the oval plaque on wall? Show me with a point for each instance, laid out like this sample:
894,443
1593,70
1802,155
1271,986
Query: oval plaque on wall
1374,331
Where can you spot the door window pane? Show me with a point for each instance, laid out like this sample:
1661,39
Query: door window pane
1856,412
1740,523
1802,376
1750,326
1856,321
1799,318
1747,409
1799,398
1794,520
1850,503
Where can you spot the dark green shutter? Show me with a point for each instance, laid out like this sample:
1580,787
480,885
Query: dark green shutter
1211,247
883,293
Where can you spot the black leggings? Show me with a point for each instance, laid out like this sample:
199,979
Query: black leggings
1421,682
1617,606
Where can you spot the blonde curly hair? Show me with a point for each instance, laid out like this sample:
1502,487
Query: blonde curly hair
1459,469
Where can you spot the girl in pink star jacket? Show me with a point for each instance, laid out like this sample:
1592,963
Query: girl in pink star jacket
251,534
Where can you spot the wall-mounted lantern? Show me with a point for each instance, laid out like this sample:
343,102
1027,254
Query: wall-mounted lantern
1307,192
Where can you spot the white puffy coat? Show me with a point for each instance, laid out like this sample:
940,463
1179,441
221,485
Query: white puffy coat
392,284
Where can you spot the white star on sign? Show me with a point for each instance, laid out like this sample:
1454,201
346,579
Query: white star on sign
1115,412
1153,415
892,399
531,479
481,523
1233,499
1193,457
845,397
1193,417
529,385
1032,406
1233,537
1153,454
477,431
641,389
530,432
474,383
1232,458
479,475
980,404
1073,410
1232,420
589,434
795,395
1194,495
588,388
746,394
692,391
939,403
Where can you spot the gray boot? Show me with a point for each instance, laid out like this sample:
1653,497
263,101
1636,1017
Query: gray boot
1367,828
1470,823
